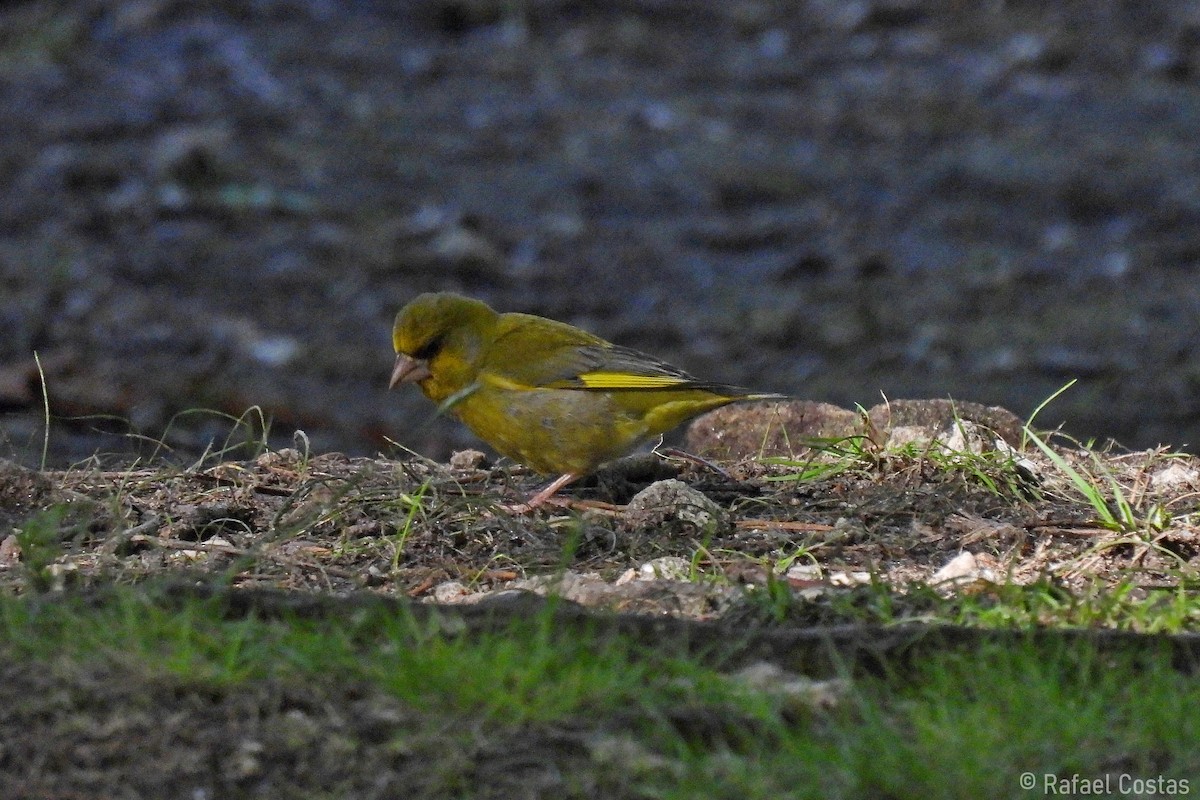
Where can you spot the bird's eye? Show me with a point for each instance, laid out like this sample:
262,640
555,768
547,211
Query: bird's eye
429,349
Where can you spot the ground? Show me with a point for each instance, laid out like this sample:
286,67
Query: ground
897,508
212,212
789,560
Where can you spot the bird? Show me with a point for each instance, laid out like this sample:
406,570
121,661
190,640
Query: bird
544,393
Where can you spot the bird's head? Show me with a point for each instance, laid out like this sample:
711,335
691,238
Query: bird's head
437,337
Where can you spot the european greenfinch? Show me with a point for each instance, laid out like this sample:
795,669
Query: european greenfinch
543,393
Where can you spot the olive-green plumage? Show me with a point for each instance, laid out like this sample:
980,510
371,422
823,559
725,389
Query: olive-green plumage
544,393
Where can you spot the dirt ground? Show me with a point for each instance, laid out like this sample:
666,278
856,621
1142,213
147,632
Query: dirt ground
219,207
655,538
898,510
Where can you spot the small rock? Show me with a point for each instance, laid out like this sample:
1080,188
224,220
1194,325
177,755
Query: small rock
796,691
450,592
287,458
467,459
849,578
962,566
805,575
10,551
967,437
676,508
376,576
966,568
671,568
628,576
1028,469
1175,476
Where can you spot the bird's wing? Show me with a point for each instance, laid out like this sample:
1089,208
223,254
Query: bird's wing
532,352
611,367
615,368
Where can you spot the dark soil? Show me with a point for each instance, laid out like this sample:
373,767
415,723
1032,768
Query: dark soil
321,535
330,523
103,733
286,526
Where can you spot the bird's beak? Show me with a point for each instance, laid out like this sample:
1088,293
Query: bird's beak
408,370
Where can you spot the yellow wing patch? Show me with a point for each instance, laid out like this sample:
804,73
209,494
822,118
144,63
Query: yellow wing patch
625,380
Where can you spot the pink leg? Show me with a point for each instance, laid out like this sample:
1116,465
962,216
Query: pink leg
544,495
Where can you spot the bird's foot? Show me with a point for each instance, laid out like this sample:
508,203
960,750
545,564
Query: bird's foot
544,497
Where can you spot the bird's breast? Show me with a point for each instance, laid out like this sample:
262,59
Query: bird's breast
551,430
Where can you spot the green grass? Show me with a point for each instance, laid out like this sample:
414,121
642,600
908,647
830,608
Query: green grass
503,675
955,724
969,724
1124,606
998,471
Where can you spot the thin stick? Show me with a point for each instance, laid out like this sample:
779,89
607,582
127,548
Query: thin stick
45,410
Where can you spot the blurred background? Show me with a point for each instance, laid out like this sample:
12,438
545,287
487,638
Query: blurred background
207,208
